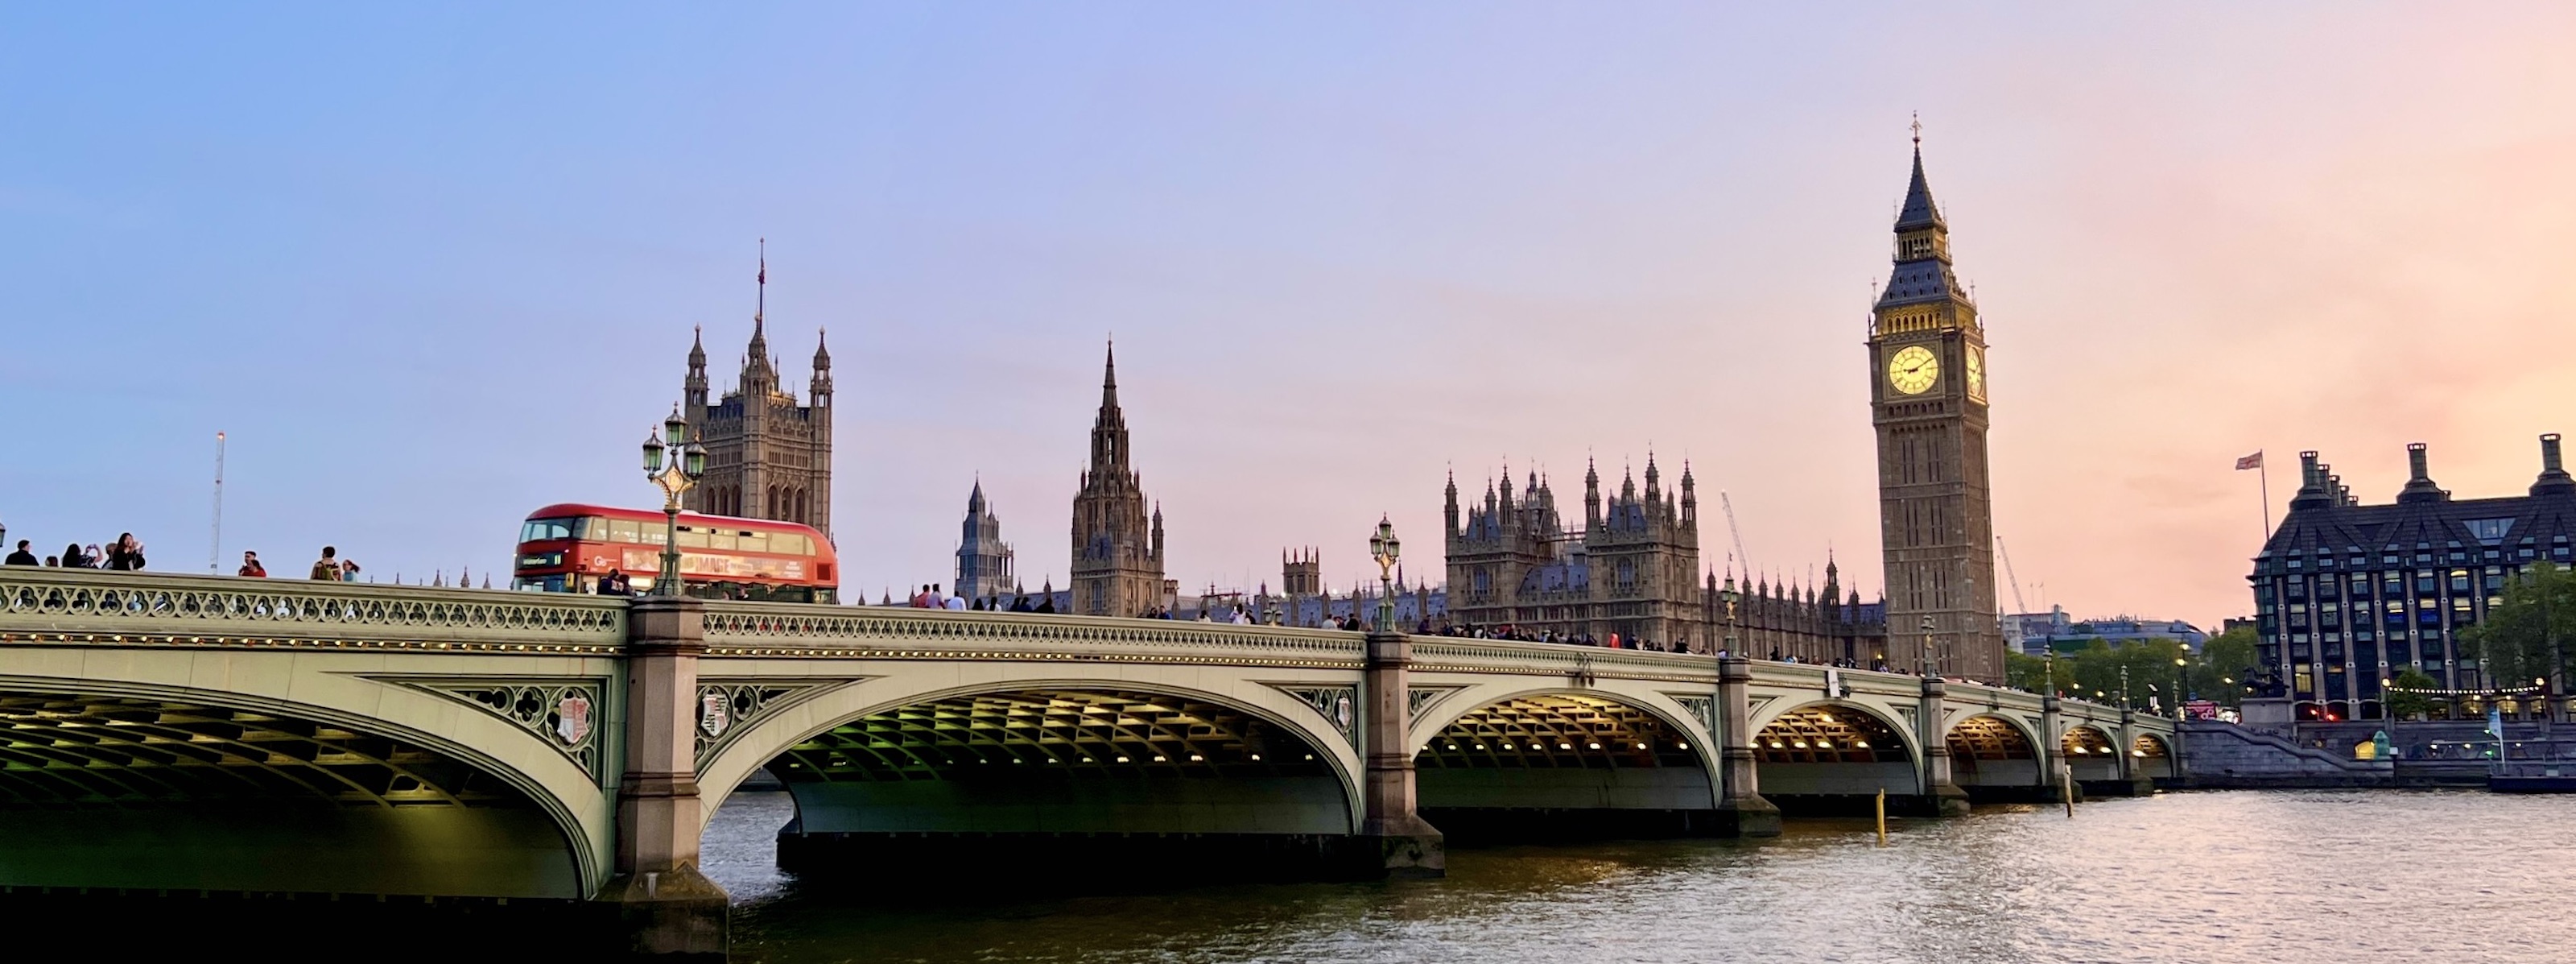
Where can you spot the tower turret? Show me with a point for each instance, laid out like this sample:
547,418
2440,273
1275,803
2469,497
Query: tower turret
1591,495
694,388
822,387
1449,508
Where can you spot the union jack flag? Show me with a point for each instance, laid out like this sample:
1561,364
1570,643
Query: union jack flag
2254,461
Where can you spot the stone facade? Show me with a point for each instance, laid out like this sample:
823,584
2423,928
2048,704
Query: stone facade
983,559
1927,362
768,456
1632,570
1764,621
1117,553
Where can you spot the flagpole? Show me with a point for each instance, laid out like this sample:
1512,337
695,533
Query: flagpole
2263,471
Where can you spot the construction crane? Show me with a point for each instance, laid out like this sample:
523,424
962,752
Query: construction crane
2010,574
1735,530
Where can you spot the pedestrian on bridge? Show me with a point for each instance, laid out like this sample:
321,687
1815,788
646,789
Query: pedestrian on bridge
327,568
250,566
127,554
22,557
74,558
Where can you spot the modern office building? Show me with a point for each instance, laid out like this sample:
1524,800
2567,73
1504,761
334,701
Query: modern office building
2347,595
2035,633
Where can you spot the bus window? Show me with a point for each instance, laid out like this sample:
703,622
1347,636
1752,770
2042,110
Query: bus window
692,538
651,533
538,529
789,543
622,530
755,542
592,529
720,540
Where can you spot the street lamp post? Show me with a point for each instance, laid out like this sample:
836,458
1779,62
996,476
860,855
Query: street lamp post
675,462
2179,684
1384,547
2124,688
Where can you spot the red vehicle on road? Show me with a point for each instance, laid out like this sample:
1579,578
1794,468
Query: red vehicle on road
569,546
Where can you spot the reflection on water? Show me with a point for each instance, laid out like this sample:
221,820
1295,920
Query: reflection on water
2280,877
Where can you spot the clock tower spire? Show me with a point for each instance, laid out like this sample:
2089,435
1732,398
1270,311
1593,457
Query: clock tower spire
1927,361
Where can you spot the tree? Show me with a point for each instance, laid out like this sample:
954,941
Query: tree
2526,636
2225,661
2033,673
2403,704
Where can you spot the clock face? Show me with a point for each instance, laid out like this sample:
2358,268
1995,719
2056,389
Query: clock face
1977,374
1913,370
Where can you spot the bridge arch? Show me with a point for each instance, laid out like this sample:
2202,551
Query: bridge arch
2150,756
1826,755
1112,773
370,787
1994,755
1563,762
2090,753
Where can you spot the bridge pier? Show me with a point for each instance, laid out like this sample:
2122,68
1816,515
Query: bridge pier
1741,809
2053,772
1941,795
664,908
1407,845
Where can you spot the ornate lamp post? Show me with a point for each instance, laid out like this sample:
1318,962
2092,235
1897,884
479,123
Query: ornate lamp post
1730,597
1384,548
675,462
1930,663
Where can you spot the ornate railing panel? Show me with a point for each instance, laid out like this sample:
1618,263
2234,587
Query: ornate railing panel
76,606
740,629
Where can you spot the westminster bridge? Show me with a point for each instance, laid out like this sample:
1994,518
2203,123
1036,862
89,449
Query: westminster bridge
207,734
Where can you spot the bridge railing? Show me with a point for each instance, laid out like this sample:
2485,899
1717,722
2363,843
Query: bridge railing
1434,654
791,630
48,606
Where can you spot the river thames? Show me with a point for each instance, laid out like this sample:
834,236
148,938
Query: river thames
2277,877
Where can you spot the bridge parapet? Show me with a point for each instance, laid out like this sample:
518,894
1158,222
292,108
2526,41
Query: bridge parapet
78,606
792,630
1510,657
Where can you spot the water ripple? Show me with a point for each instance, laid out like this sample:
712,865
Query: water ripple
2282,878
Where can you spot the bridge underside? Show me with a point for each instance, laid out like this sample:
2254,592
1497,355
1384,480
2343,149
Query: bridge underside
1834,761
104,791
1994,762
1563,767
1118,782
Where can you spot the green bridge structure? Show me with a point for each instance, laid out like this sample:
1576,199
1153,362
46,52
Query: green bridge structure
165,733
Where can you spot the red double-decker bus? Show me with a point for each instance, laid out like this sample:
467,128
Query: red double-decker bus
568,547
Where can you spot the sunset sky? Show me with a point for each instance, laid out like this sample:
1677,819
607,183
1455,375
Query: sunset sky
433,268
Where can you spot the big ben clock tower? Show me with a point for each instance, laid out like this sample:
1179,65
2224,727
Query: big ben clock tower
1927,366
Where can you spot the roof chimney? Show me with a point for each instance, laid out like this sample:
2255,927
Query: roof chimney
2419,482
2312,483
2554,479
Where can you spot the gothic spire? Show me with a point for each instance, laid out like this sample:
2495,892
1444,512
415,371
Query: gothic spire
760,307
1109,412
1923,273
1919,211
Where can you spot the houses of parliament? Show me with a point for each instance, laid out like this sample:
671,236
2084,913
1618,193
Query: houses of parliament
1628,568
